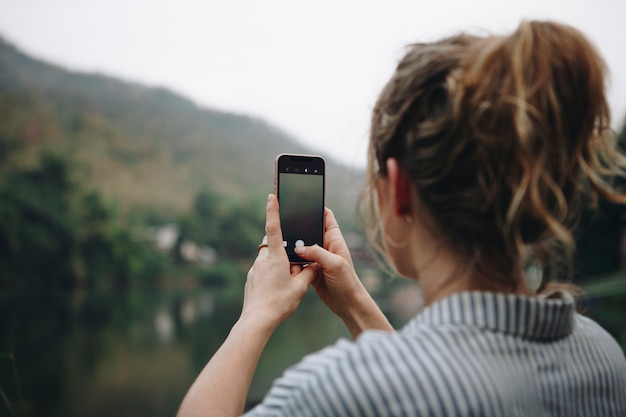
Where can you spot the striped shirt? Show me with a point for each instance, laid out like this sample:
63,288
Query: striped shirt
471,354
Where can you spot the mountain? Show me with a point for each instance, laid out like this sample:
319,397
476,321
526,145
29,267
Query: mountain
145,147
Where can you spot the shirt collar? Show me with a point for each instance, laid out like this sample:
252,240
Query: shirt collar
536,318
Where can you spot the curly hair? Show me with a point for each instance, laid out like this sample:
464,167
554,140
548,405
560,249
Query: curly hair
505,139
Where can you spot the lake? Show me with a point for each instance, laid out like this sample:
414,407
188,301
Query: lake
90,353
132,354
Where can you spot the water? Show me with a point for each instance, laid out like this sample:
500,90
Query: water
136,353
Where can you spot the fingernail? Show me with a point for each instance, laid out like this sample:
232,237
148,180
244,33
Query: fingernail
299,249
269,198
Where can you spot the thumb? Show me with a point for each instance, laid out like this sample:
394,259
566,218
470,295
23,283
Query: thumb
324,258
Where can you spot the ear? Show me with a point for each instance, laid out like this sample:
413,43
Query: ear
400,187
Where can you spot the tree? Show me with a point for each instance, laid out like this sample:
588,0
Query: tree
598,238
55,235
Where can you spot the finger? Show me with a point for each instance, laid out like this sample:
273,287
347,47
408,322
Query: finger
307,275
333,235
329,219
295,269
262,248
330,225
273,231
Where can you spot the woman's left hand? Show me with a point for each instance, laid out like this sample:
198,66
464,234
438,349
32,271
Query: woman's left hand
274,288
337,283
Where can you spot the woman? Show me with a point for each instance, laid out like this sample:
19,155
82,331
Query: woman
482,152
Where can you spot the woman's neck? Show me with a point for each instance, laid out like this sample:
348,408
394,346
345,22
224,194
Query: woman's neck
445,274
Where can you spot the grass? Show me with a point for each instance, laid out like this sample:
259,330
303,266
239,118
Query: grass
3,394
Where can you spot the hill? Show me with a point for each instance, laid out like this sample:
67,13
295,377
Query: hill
145,148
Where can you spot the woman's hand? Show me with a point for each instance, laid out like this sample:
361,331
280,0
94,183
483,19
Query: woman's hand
273,291
274,288
337,284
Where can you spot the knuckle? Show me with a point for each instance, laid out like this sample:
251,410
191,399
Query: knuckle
337,263
271,228
334,264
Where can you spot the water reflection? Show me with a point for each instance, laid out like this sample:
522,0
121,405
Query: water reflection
164,325
186,311
136,353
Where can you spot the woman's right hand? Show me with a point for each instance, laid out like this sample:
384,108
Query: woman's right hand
337,284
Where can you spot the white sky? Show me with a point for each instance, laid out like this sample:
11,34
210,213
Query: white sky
312,68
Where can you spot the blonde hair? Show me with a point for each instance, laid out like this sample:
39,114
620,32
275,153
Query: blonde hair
504,137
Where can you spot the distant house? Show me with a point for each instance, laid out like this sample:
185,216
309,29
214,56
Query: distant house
164,237
193,253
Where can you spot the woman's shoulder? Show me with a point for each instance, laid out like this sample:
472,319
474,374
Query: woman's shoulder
366,376
377,372
590,335
406,353
430,368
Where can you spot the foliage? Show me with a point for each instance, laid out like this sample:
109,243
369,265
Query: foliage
54,235
599,234
233,227
5,398
147,147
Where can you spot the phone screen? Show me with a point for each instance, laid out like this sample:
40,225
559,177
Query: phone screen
300,191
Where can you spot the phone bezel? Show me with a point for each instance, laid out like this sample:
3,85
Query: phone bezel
301,161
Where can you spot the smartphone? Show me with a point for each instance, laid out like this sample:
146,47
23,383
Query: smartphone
300,185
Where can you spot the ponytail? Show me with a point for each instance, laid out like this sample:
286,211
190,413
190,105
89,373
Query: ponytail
547,115
505,139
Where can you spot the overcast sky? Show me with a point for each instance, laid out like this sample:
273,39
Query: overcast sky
311,68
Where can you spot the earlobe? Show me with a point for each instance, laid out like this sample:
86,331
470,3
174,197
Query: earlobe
400,186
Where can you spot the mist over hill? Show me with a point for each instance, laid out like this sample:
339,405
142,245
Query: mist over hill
146,148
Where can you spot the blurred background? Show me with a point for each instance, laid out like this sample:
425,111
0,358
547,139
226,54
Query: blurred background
137,146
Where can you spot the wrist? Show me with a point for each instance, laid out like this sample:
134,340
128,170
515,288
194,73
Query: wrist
363,314
254,320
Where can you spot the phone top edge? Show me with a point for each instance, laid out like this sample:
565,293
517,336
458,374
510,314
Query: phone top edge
298,155
285,160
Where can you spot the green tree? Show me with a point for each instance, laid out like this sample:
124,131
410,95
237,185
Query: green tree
54,235
598,238
231,227
36,228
